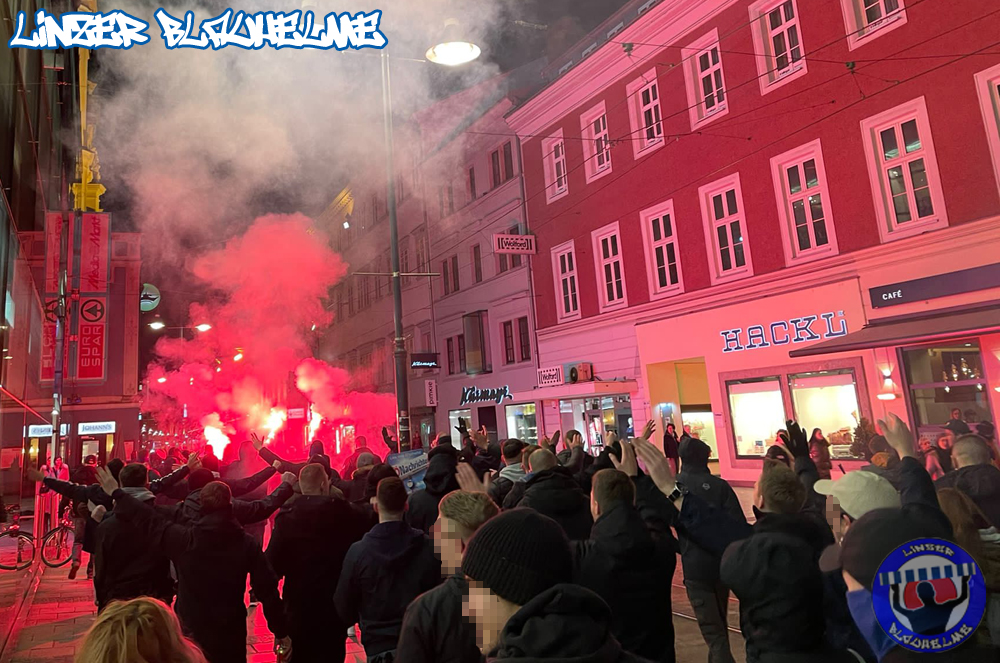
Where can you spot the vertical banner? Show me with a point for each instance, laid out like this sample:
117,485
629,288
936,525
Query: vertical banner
53,239
95,252
92,338
48,362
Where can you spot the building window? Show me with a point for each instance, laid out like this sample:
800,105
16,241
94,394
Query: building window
903,171
988,87
803,203
450,345
451,198
777,39
508,342
515,258
757,411
828,400
524,336
865,20
477,263
350,298
422,254
943,379
441,201
521,422
454,274
503,264
472,184
596,142
502,164
644,113
554,167
445,277
662,255
564,270
610,269
705,82
461,353
721,206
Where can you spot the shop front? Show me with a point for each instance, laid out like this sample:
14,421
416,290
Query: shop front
495,406
724,374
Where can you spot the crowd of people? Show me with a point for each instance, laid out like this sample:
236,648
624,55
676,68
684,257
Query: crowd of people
519,552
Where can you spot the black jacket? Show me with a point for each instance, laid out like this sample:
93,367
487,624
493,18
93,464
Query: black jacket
516,493
556,494
567,623
213,556
80,495
126,566
491,457
698,563
981,484
434,630
422,509
245,513
308,544
504,480
632,572
173,487
383,572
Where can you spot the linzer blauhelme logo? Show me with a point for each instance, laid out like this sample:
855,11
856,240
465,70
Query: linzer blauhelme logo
476,395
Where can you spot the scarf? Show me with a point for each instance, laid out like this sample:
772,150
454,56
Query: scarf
140,493
863,611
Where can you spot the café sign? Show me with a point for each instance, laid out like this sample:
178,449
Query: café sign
96,428
476,395
803,329
934,287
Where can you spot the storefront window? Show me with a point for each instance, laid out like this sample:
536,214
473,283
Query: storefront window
757,412
521,423
702,425
827,400
454,423
945,378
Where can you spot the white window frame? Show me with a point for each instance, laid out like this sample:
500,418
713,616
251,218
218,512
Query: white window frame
860,31
646,217
562,315
550,165
697,111
769,77
987,83
590,154
870,129
600,263
705,195
785,201
634,91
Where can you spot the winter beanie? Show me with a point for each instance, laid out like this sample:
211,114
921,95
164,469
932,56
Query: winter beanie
518,555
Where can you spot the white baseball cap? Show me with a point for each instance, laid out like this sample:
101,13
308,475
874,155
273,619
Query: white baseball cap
859,492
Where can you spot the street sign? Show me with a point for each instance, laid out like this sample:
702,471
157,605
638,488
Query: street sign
518,244
92,310
149,298
92,339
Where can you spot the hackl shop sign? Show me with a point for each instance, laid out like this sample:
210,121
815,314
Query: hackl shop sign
804,329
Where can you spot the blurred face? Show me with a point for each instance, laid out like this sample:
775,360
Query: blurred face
488,612
956,414
448,544
946,441
925,444
819,435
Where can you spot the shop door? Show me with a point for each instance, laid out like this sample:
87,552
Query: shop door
488,418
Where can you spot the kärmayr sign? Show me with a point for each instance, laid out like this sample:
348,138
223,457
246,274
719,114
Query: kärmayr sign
476,395
804,329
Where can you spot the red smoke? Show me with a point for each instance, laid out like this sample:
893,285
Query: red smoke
269,286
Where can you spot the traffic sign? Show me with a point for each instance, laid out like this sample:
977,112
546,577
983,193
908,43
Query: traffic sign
150,297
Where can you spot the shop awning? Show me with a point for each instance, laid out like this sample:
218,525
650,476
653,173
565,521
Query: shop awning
578,390
900,331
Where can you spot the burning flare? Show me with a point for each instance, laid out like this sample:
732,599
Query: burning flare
315,421
215,435
275,421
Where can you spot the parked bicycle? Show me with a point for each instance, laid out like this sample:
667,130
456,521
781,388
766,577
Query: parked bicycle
17,548
57,544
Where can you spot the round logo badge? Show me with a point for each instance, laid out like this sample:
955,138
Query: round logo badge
929,595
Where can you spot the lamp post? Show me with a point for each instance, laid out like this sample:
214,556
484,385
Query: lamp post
451,51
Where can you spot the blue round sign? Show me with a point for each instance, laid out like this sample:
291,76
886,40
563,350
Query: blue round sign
929,595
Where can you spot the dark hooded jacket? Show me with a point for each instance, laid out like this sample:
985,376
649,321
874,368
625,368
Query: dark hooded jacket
213,556
981,484
126,566
491,457
632,572
504,480
439,480
698,563
245,513
434,629
556,494
383,572
566,623
779,585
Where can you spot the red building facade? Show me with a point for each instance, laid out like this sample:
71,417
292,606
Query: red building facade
721,192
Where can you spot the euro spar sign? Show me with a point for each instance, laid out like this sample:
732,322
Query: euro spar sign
518,244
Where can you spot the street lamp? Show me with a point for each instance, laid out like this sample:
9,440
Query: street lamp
452,50
157,325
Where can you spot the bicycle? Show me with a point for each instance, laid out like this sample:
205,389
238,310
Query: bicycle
57,544
17,548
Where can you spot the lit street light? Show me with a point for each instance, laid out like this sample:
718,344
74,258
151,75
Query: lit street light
161,380
203,327
452,50
158,325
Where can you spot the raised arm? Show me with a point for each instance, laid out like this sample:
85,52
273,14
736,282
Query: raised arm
259,510
168,483
243,486
160,532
